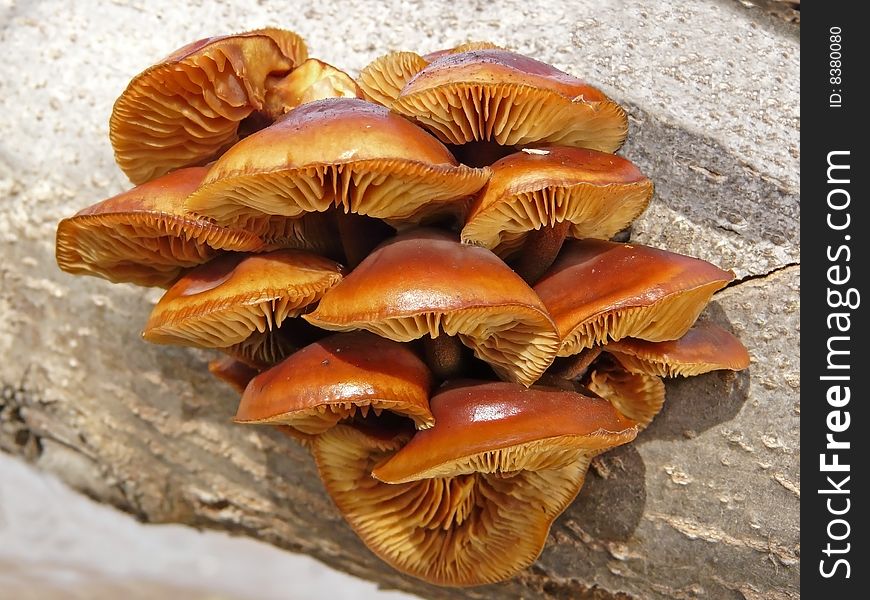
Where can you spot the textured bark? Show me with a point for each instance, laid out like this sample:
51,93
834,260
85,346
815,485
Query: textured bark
703,504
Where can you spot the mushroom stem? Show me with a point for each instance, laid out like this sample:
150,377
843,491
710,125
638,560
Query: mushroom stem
443,356
359,235
480,154
578,364
540,250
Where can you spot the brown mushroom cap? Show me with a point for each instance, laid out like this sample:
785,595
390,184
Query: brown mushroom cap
332,379
705,347
144,236
638,396
598,193
234,373
511,99
382,80
223,302
500,427
464,47
186,109
341,152
313,80
425,282
598,291
475,527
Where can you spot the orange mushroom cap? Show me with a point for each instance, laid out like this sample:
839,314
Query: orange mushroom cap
144,236
511,99
598,291
705,347
382,79
186,109
638,396
600,194
223,302
341,152
313,80
332,379
234,373
424,282
500,427
510,461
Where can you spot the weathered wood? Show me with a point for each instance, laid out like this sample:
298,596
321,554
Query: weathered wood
703,504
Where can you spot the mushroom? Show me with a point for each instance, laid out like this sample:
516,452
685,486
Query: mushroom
469,501
223,302
499,96
599,291
383,79
314,80
187,109
638,396
333,379
144,236
234,373
537,197
340,153
425,282
705,347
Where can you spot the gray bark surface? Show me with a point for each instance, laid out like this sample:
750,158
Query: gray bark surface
704,504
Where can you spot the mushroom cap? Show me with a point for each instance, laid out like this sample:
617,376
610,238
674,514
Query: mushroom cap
500,427
599,193
234,373
705,347
511,99
383,79
341,152
186,109
313,80
423,282
144,236
638,396
471,528
223,302
598,291
463,47
330,380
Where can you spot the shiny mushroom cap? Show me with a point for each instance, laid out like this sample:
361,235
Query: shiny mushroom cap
598,291
144,236
501,427
340,152
425,282
187,109
598,193
469,527
223,302
705,347
333,379
510,99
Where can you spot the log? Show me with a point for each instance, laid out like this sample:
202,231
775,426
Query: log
703,504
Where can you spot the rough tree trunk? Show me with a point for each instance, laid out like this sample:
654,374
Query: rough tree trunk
703,504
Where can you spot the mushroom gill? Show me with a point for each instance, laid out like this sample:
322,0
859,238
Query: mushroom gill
187,109
500,464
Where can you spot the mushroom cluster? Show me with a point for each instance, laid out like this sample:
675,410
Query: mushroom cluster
415,274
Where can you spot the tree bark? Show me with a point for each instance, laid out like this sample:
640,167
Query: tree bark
703,504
